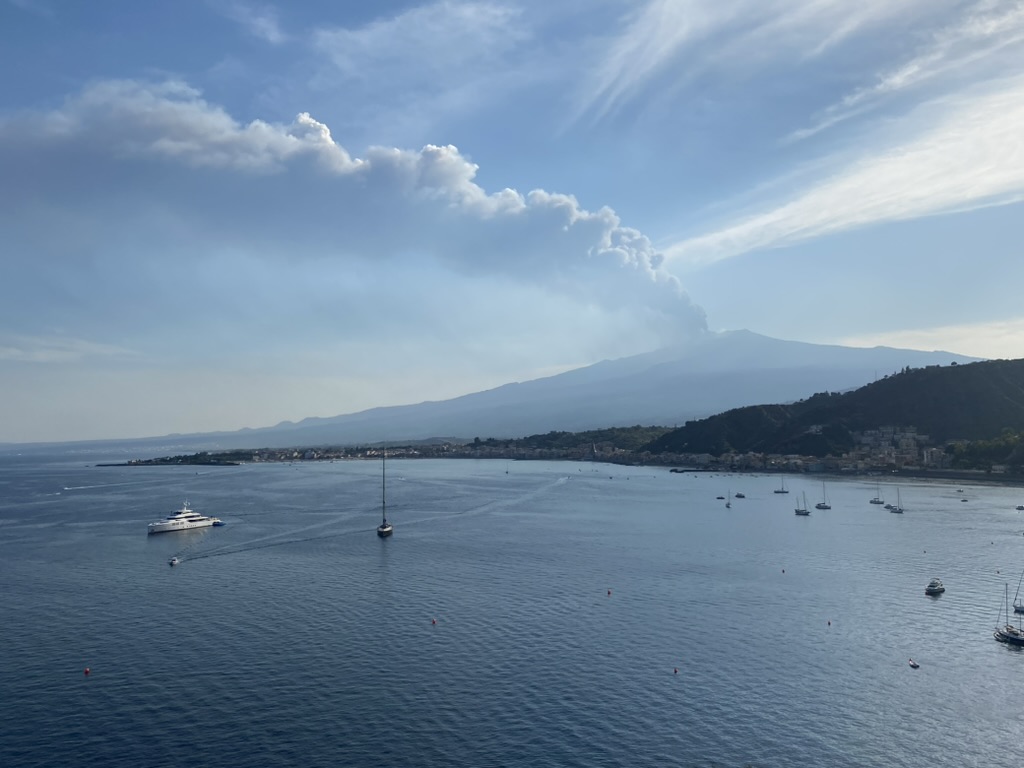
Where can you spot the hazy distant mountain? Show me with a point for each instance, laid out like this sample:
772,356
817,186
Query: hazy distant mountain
668,387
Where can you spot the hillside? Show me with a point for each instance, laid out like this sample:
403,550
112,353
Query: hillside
978,402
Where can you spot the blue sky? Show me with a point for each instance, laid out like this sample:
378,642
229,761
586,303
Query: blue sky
218,214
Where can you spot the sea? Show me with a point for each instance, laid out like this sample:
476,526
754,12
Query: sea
523,614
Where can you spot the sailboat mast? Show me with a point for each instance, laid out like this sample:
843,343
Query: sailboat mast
383,485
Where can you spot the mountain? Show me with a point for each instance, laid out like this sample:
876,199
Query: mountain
669,386
976,402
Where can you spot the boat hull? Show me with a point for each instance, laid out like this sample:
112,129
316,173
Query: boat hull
1010,635
170,527
384,531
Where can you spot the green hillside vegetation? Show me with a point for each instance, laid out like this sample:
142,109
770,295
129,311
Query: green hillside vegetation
1006,449
980,402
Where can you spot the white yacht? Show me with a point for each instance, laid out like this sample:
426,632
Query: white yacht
182,520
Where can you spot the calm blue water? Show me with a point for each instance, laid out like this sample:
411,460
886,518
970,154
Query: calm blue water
293,636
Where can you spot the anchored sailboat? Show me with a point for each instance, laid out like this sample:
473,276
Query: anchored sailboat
823,504
385,528
801,509
898,506
1008,633
878,495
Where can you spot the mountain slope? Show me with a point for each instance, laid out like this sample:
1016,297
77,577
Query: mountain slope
670,386
711,374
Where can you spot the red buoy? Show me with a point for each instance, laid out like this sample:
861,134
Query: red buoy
675,670
433,621
87,670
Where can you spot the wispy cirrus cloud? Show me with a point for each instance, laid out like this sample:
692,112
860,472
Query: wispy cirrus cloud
407,74
56,349
669,42
980,39
439,40
967,152
260,21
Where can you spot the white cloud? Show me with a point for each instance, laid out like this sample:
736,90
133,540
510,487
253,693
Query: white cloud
258,21
425,46
969,153
672,41
166,171
401,77
170,119
56,349
978,37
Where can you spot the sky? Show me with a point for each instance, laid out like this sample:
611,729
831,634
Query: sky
217,214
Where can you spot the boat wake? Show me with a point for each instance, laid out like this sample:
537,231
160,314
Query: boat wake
271,540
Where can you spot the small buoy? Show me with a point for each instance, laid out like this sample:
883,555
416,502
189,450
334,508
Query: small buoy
675,670
830,622
87,671
783,570
433,621
609,593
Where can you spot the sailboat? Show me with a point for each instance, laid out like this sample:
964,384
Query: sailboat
1018,606
823,504
897,507
802,509
385,528
728,494
782,488
1008,633
878,495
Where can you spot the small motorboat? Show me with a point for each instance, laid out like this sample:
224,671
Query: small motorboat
914,664
934,587
173,562
1020,507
